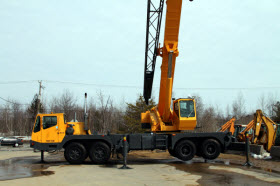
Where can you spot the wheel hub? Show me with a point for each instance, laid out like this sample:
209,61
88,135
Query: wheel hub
99,153
75,154
186,150
211,149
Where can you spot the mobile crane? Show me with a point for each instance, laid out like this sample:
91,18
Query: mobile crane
52,132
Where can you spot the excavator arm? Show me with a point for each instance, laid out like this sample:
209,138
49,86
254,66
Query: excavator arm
241,135
228,126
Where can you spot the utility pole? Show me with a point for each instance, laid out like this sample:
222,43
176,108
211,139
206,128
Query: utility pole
39,96
38,111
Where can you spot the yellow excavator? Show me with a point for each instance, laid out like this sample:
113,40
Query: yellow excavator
265,130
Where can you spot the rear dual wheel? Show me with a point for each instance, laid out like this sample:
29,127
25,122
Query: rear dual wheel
76,153
210,149
185,150
99,153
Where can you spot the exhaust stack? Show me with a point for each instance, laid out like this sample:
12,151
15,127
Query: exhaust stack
85,114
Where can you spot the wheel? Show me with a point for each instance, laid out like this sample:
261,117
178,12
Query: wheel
75,153
15,145
172,152
211,149
185,150
99,153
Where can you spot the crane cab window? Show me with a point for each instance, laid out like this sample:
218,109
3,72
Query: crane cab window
49,121
37,125
187,108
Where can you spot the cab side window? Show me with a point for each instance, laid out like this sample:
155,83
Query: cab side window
37,125
49,121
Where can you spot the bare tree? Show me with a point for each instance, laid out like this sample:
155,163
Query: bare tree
199,109
104,117
209,121
238,106
228,113
66,103
262,103
270,104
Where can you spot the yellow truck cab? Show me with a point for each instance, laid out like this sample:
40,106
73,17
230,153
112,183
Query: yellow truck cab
52,128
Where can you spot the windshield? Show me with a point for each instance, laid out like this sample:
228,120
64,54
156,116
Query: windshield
187,108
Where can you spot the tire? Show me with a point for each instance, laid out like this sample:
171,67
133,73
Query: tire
100,153
172,152
211,149
75,153
15,145
185,150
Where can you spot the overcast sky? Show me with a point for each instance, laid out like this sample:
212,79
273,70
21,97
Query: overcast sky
222,44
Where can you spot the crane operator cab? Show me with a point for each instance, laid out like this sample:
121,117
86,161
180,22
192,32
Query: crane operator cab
182,117
184,114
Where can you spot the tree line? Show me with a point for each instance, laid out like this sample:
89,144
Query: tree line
106,116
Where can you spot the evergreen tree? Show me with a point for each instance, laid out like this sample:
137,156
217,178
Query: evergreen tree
132,117
276,110
32,109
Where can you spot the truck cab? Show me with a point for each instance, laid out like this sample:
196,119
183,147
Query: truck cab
52,128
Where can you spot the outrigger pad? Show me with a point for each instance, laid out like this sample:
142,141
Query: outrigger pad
240,146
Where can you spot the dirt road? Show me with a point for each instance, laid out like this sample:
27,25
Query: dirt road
148,168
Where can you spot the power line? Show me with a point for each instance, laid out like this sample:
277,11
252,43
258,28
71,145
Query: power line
92,84
140,87
12,102
179,88
16,82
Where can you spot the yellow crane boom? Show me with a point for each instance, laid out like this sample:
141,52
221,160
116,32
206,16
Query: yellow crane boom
183,115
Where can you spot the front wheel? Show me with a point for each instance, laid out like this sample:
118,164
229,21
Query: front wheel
75,153
211,149
185,150
100,153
